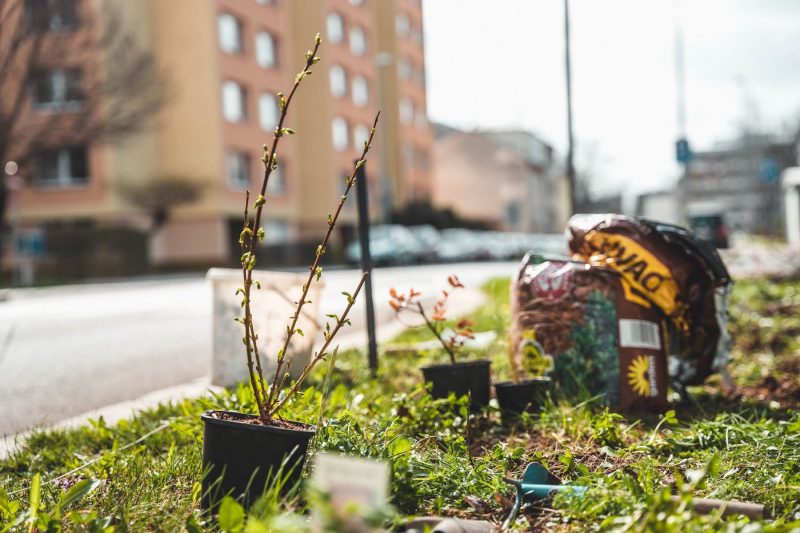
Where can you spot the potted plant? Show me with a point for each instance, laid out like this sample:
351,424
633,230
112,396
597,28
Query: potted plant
242,453
461,378
520,394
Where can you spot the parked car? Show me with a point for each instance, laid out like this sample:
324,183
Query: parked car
457,245
388,245
498,246
428,240
707,220
547,243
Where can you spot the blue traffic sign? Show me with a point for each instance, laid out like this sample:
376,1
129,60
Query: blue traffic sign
769,170
683,153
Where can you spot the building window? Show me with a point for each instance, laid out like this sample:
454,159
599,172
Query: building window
404,68
416,36
358,43
233,102
63,168
360,135
402,25
276,185
419,77
423,160
408,155
512,214
267,112
406,111
340,134
230,34
360,91
265,50
421,119
51,15
335,28
57,88
276,232
338,81
237,170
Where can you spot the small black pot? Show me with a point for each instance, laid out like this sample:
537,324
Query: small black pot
516,398
461,378
248,456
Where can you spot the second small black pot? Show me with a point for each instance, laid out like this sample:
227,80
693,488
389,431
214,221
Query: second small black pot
460,378
247,457
516,398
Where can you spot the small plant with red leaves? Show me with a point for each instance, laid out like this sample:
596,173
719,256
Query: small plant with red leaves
402,302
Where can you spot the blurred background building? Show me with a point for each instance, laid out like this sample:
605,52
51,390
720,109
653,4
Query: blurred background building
508,180
169,187
743,178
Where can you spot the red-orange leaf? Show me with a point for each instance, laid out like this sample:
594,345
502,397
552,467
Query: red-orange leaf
454,282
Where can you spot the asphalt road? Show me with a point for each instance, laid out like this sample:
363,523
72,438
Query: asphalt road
68,350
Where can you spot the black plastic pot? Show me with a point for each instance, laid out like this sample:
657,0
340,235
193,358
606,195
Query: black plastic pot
461,378
247,457
517,398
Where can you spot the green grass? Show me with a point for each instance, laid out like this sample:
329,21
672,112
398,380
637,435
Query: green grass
749,448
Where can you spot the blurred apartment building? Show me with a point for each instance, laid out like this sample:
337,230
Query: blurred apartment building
740,179
508,180
225,61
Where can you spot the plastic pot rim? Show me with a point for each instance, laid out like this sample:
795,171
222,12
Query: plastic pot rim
507,384
208,419
478,363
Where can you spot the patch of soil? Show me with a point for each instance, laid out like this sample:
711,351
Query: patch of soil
785,391
254,420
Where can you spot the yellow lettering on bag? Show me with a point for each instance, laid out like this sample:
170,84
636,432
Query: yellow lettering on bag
641,269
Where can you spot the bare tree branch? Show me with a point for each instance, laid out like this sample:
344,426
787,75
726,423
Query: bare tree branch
122,86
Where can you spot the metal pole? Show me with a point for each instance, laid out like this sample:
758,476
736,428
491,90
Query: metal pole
680,79
384,61
366,261
570,149
680,88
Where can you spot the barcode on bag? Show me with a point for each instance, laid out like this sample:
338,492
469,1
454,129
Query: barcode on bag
639,334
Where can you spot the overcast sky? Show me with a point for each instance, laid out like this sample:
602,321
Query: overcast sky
500,63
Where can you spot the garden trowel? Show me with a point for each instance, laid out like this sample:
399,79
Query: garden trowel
534,487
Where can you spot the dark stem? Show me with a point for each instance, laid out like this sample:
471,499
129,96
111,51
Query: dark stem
247,327
313,269
433,329
321,353
248,255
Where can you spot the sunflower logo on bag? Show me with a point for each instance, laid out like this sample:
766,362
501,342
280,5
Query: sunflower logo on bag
642,376
534,360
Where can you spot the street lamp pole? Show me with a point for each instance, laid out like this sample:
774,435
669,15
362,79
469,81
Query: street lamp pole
13,185
570,148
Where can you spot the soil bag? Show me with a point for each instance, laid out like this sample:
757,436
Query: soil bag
580,325
670,268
